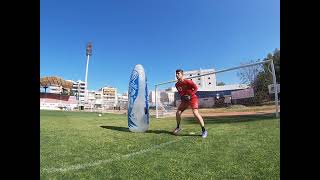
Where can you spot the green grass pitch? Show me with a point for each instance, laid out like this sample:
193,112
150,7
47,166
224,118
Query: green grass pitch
82,145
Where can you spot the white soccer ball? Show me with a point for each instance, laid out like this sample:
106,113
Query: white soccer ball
99,115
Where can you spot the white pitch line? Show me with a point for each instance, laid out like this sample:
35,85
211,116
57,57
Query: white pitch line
96,163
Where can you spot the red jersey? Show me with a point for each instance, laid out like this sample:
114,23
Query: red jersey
187,87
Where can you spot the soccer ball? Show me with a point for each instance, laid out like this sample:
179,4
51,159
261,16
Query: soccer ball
99,115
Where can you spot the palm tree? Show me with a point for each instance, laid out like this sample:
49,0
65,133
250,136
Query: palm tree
45,89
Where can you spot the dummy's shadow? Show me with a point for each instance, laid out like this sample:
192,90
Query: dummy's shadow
125,129
116,128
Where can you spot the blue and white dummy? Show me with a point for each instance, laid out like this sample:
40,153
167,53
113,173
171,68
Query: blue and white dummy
138,108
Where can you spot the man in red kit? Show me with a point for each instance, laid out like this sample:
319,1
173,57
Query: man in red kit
187,90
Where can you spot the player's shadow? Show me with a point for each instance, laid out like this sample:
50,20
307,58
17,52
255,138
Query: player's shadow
159,131
170,133
231,119
182,134
125,129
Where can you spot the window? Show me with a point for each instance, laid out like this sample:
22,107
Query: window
198,78
190,74
208,77
209,82
198,74
199,84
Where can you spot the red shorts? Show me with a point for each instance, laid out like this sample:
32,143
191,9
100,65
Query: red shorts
193,103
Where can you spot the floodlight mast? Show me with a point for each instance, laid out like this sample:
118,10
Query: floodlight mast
88,54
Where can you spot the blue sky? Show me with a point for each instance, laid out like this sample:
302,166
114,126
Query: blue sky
162,35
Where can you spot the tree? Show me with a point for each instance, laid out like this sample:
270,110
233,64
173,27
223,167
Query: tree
45,89
247,75
71,93
259,77
221,84
264,78
260,87
276,61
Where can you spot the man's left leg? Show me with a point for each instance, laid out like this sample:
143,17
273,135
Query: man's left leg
194,105
198,116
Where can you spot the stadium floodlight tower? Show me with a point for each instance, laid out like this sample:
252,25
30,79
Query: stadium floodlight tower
88,53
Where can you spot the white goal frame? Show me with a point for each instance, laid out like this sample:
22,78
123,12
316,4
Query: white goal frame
229,69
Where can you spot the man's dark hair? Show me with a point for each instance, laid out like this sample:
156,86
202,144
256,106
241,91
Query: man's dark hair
179,70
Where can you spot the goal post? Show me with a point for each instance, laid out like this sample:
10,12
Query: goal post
268,62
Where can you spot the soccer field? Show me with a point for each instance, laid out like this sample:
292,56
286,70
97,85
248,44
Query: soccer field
82,145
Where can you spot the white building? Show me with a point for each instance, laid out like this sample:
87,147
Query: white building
78,89
122,100
170,97
109,97
152,97
204,83
98,99
91,100
54,89
165,97
231,87
209,82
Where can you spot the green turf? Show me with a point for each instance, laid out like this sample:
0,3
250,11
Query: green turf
79,145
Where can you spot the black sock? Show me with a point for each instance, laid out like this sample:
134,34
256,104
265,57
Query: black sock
203,129
178,125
